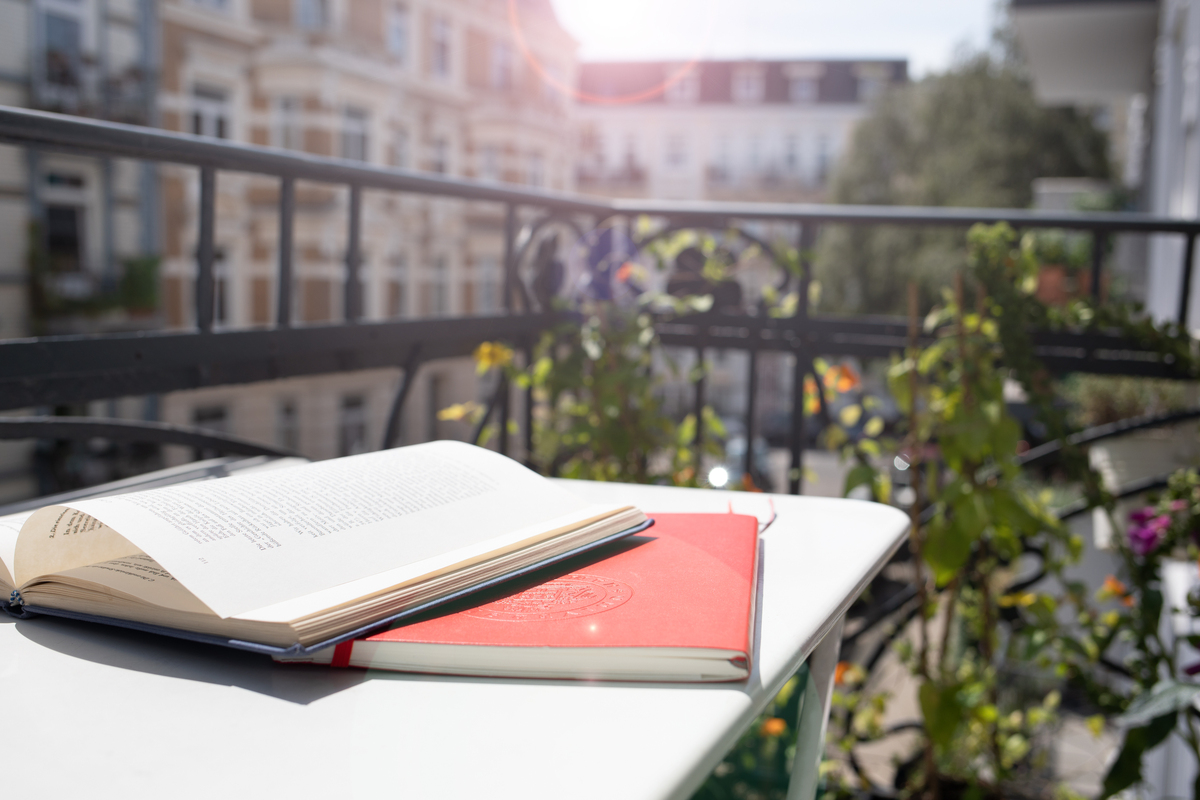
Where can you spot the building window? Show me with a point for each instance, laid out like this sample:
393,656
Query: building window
287,425
489,163
824,157
288,131
64,50
312,15
210,111
791,153
397,34
210,418
64,238
352,426
400,157
676,151
685,88
747,86
535,170
501,73
439,49
873,79
552,84
489,285
754,153
397,287
804,90
355,123
439,155
871,88
435,300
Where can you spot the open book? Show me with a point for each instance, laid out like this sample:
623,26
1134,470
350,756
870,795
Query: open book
295,559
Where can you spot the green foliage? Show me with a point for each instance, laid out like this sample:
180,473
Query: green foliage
139,284
974,136
759,765
1101,399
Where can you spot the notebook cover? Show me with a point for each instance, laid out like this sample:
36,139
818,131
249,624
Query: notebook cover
26,611
688,583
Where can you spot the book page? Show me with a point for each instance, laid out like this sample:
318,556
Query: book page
248,542
10,526
140,576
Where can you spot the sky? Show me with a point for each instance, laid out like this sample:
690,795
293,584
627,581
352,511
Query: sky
927,32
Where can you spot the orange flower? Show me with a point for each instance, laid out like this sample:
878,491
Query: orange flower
773,727
625,271
1113,589
842,378
848,674
748,483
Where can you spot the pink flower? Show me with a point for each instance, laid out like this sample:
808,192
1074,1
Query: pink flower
1179,505
1147,533
1142,515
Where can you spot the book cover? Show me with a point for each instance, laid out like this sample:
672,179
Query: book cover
675,603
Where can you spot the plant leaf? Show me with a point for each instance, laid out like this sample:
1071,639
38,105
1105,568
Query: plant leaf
1165,697
942,712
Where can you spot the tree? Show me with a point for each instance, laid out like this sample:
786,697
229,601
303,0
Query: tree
973,136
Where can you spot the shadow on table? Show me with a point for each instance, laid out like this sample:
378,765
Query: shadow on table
176,658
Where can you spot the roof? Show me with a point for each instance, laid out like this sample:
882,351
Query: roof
837,80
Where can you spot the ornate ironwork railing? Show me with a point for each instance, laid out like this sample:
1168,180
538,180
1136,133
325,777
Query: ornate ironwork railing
72,369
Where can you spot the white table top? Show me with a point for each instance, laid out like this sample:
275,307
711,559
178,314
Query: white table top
102,712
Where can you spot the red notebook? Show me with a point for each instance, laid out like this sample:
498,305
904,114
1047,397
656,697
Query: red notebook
673,604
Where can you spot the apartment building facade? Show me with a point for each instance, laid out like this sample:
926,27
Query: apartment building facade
438,87
744,130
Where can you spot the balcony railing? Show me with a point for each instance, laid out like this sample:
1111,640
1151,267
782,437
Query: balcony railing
57,370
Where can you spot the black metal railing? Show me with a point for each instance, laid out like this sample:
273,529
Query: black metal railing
73,369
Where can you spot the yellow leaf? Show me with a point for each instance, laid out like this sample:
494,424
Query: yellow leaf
1095,724
456,412
874,426
850,415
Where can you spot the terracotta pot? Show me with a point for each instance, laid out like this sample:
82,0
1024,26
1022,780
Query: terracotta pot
1058,286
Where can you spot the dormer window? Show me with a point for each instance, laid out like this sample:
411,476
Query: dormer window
748,85
804,82
873,80
683,88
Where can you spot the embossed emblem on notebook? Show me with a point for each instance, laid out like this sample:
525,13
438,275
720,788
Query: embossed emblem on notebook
575,595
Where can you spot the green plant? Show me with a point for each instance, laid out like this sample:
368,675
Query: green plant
139,283
598,412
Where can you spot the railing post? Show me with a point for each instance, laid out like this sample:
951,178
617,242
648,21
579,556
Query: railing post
287,214
510,241
808,239
751,401
1099,245
1185,292
699,387
503,412
205,251
529,409
353,292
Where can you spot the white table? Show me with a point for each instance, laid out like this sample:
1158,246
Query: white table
100,712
